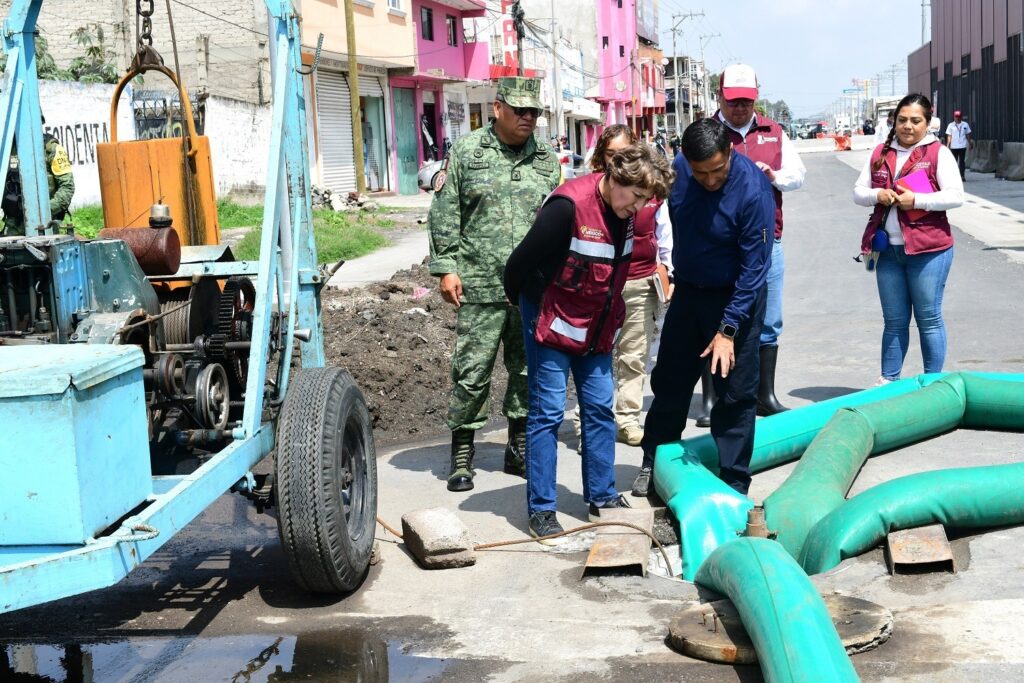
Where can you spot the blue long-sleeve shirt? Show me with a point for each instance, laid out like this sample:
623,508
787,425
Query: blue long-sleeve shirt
723,238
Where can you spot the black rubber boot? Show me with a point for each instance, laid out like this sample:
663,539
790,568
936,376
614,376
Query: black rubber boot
767,403
707,389
460,477
515,449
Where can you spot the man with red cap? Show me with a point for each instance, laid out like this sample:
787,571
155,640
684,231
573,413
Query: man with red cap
958,138
763,141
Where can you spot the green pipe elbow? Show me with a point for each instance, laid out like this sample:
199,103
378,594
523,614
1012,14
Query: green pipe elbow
784,615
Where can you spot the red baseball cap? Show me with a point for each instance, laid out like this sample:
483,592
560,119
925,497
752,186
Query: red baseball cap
739,82
956,113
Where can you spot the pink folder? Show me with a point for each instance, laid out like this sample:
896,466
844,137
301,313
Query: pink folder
918,183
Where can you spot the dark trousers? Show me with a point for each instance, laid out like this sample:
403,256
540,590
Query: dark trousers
690,323
961,156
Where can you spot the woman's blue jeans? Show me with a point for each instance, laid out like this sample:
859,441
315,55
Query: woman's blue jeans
548,372
912,283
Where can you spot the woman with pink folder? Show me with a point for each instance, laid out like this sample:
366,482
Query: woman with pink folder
911,180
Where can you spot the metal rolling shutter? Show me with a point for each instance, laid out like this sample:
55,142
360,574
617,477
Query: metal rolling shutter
369,86
333,107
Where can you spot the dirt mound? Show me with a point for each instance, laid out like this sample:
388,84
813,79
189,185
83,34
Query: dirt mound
397,338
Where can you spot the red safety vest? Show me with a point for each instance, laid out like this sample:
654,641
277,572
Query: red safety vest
582,309
645,242
763,142
928,233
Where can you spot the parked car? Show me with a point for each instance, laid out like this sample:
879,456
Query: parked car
429,177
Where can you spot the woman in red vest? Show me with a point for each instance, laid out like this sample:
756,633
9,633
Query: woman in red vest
911,180
567,276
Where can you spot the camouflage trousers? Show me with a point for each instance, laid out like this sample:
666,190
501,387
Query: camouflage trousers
480,329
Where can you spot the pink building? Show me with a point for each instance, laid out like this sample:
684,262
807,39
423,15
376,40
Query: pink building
430,91
616,50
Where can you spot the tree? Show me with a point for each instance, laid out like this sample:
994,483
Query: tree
95,65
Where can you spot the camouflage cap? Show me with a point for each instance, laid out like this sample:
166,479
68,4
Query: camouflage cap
520,92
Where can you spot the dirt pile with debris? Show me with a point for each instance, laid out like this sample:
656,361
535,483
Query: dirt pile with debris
397,339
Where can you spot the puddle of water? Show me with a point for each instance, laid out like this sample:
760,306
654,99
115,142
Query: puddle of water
318,656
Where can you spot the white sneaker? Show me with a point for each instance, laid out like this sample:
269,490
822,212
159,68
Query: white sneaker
882,381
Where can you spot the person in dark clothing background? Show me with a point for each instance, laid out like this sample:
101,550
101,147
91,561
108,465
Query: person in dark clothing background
723,219
567,276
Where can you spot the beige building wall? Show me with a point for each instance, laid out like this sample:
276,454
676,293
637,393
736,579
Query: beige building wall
384,35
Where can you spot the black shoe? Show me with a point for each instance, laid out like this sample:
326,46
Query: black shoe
618,502
642,483
544,523
707,389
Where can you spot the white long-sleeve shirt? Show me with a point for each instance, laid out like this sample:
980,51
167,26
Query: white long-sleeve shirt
663,235
950,194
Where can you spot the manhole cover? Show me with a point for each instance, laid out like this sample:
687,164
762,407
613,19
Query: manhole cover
712,631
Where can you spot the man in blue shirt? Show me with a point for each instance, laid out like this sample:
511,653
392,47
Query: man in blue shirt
723,218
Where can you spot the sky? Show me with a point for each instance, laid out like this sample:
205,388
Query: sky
804,51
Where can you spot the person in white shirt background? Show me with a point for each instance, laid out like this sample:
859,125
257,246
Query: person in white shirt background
958,138
911,234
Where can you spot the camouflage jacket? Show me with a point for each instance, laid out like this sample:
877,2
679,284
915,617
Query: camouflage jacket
485,208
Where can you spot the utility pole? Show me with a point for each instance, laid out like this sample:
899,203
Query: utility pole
557,128
703,41
924,4
518,17
353,88
678,19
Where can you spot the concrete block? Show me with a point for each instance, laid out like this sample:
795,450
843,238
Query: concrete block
437,539
983,157
1011,161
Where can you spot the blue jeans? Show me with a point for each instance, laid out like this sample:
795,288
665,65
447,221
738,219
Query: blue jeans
912,283
548,372
772,328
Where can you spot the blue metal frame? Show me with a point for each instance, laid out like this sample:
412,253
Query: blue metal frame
287,270
19,112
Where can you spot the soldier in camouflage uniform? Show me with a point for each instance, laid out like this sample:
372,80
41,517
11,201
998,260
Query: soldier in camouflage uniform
497,177
59,178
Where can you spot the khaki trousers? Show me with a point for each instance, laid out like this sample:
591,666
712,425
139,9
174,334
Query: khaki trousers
633,348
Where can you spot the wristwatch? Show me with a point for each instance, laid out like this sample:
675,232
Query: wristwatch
728,330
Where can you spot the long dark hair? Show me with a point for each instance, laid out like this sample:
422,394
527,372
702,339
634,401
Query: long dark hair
913,98
607,135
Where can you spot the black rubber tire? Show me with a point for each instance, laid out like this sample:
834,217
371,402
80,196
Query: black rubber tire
326,523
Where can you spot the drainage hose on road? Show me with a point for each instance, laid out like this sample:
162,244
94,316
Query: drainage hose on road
964,497
784,615
830,464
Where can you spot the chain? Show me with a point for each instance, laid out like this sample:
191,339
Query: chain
146,35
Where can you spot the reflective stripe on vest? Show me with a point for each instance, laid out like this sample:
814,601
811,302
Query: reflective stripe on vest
593,249
563,328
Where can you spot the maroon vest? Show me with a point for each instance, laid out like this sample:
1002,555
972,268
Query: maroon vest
582,309
928,233
763,142
645,242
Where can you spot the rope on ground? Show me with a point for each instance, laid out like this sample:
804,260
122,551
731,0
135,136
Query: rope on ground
388,527
592,525
569,532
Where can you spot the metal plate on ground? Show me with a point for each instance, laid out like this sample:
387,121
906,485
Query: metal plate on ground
620,547
924,548
713,631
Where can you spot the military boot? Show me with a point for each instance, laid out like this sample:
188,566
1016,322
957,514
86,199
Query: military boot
515,450
767,403
461,476
707,388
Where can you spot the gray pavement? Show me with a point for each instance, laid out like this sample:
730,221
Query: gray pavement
217,598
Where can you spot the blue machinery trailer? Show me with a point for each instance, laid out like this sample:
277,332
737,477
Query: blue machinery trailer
125,415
